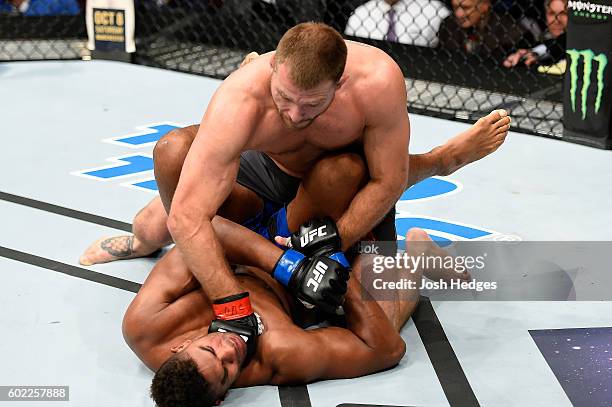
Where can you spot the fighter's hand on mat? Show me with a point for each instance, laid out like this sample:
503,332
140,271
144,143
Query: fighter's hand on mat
318,281
249,58
234,314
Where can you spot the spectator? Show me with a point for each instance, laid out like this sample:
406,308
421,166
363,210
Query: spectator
414,22
39,7
475,29
527,12
552,48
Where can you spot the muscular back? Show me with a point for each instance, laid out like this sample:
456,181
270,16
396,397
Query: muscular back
368,74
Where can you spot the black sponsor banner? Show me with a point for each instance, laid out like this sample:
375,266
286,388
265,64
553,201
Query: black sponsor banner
109,29
587,99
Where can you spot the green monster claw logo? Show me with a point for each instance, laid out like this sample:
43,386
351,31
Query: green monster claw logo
588,58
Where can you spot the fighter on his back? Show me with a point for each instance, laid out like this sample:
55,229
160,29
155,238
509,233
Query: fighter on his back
178,331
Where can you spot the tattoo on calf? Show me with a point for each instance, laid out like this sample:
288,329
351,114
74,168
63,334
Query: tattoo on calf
119,246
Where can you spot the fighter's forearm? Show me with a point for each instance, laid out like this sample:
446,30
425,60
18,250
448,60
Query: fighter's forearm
366,210
243,246
366,319
204,257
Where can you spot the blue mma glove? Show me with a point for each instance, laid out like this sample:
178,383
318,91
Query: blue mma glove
318,281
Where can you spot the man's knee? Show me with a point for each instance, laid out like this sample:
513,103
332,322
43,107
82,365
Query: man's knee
340,169
174,146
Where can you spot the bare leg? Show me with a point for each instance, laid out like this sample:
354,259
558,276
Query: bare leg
327,189
399,305
149,228
168,157
420,245
480,140
149,234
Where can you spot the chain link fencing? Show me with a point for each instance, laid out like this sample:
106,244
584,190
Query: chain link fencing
42,29
461,58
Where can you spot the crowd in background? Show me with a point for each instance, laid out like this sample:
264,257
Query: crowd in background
512,32
36,8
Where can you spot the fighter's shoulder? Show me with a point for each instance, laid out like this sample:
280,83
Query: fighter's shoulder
280,347
375,71
382,87
245,86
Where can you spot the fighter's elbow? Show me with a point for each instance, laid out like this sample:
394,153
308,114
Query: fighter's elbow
396,184
403,176
393,352
174,223
390,182
401,185
397,352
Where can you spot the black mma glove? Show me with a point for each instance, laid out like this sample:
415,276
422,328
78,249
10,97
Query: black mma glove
319,237
319,281
235,314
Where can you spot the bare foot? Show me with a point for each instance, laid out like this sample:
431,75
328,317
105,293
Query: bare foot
480,140
431,261
114,248
448,273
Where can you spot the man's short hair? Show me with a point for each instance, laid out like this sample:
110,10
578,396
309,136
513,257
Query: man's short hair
179,383
315,52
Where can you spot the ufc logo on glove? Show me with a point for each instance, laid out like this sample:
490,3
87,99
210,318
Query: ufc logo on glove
319,271
304,240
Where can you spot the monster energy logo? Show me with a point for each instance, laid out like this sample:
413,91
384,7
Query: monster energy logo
588,57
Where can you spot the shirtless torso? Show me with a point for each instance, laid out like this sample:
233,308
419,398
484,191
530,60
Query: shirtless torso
367,106
373,83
